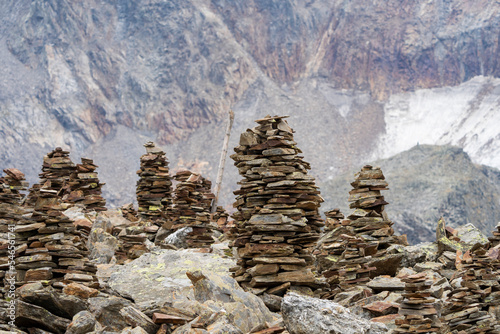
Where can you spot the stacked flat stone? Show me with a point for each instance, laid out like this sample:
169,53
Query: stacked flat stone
495,238
54,179
132,243
85,188
333,219
129,212
469,307
191,209
12,186
278,222
369,219
420,314
351,268
55,250
154,188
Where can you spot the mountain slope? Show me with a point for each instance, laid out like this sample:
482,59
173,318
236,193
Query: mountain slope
427,182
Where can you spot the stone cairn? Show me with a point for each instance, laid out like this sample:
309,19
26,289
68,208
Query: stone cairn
56,171
129,212
191,209
277,220
51,248
495,239
84,187
352,267
356,241
480,290
154,188
420,315
11,187
369,220
333,219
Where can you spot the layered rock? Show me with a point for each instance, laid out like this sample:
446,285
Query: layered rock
355,247
154,192
51,247
12,186
418,309
57,169
469,307
369,220
277,219
85,188
191,209
495,238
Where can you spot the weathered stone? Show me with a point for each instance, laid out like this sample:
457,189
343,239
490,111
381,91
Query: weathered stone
136,318
107,311
55,302
163,274
306,315
83,322
29,315
471,237
245,309
79,290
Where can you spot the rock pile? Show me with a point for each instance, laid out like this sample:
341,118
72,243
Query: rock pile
56,171
352,267
50,246
191,209
369,220
84,187
420,315
11,186
480,289
277,220
129,212
333,219
154,188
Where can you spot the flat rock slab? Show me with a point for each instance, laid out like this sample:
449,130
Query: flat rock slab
161,276
306,315
386,284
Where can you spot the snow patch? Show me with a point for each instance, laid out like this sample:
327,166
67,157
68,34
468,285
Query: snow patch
466,116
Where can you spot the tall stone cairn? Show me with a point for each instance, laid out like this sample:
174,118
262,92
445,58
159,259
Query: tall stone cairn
369,220
11,187
154,188
50,246
277,220
85,188
54,179
191,209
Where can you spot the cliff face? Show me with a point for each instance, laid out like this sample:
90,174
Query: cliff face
428,182
102,77
380,46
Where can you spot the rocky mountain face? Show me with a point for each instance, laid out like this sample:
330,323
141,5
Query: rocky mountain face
428,182
100,78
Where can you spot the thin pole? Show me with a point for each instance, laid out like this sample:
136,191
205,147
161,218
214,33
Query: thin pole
222,161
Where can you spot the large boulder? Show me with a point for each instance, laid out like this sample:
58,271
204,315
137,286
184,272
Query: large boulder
57,303
472,237
244,309
162,275
305,315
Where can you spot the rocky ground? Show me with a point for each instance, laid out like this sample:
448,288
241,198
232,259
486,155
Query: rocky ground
192,291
